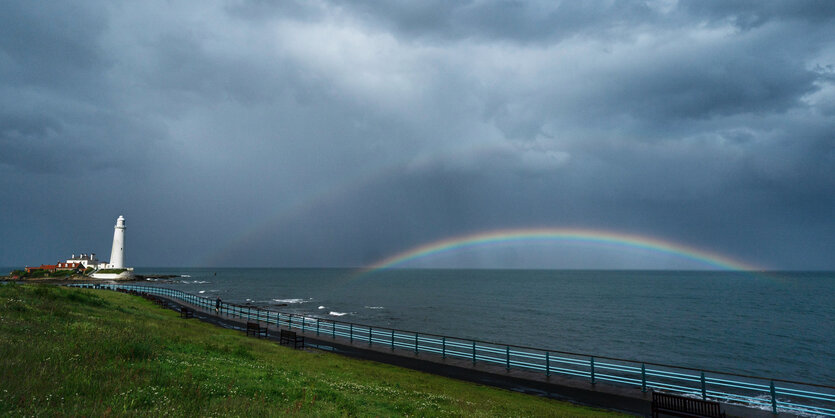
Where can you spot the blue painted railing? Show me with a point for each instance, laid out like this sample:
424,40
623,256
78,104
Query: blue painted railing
776,395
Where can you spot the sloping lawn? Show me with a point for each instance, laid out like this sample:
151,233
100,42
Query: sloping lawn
85,352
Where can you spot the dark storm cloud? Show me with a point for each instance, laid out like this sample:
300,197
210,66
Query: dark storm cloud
337,133
56,100
513,21
53,45
752,14
552,21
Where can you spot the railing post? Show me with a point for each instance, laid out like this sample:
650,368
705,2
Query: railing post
303,321
704,388
333,329
547,364
392,340
443,347
351,332
416,343
370,331
317,327
643,378
290,325
278,320
507,352
591,363
473,353
773,399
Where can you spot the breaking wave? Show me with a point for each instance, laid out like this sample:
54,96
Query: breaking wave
292,300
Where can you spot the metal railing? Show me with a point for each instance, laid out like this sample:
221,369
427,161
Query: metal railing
776,395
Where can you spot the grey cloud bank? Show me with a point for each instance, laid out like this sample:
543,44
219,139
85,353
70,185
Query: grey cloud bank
240,133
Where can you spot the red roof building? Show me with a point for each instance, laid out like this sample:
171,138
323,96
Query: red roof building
42,267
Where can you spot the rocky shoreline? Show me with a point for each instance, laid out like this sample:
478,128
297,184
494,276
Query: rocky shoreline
155,276
83,278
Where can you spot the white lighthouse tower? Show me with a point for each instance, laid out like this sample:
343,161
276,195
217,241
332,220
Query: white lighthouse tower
117,254
115,269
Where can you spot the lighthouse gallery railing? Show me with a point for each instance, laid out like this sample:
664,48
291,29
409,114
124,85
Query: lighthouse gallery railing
771,394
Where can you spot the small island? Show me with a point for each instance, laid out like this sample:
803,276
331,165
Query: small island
45,274
41,273
85,266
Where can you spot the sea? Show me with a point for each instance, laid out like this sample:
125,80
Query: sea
769,324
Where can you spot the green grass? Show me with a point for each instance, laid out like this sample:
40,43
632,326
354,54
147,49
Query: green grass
85,352
42,274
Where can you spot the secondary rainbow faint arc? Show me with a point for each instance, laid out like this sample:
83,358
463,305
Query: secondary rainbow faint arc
562,234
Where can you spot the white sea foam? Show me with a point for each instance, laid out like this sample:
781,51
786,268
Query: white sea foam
293,300
337,313
322,307
185,275
202,291
375,307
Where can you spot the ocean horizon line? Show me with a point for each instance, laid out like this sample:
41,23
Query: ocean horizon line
647,269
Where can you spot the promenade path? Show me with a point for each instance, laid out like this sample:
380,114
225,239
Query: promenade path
570,389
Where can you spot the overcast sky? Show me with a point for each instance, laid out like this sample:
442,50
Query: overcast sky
329,133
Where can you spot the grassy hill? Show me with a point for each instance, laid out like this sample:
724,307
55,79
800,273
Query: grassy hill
83,352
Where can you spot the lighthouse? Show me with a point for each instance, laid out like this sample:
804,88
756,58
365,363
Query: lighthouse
115,269
117,254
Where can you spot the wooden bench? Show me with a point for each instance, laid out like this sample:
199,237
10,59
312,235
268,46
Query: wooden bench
254,328
186,313
157,300
681,406
288,337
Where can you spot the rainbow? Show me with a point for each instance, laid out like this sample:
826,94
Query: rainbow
608,238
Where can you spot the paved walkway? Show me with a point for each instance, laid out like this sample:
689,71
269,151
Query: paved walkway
574,390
